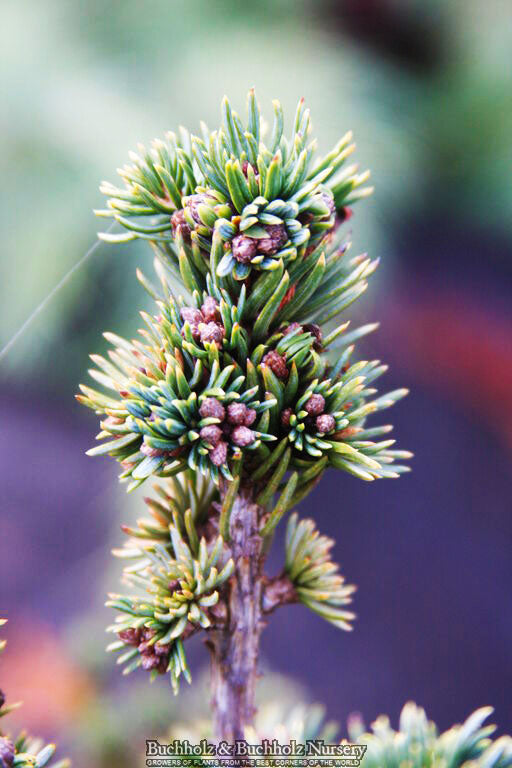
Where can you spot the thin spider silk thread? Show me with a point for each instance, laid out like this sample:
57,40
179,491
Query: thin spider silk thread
37,311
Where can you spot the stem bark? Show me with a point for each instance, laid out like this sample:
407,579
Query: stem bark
235,648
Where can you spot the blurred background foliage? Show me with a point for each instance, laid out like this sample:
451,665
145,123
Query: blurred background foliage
425,86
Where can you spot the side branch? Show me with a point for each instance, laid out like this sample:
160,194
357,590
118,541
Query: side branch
276,592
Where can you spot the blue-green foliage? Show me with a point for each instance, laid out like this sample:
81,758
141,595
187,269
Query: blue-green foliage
244,378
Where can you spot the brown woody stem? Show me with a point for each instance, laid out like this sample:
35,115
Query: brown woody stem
235,648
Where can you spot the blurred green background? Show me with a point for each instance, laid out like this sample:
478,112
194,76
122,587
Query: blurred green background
425,87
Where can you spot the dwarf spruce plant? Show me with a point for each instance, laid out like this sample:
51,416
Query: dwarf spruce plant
243,388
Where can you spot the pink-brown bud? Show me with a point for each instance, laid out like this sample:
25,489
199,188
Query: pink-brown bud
250,417
276,238
244,248
285,417
237,413
211,434
315,331
276,363
315,405
325,422
149,661
243,436
180,224
161,650
211,332
130,636
219,454
210,310
191,315
193,203
211,408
